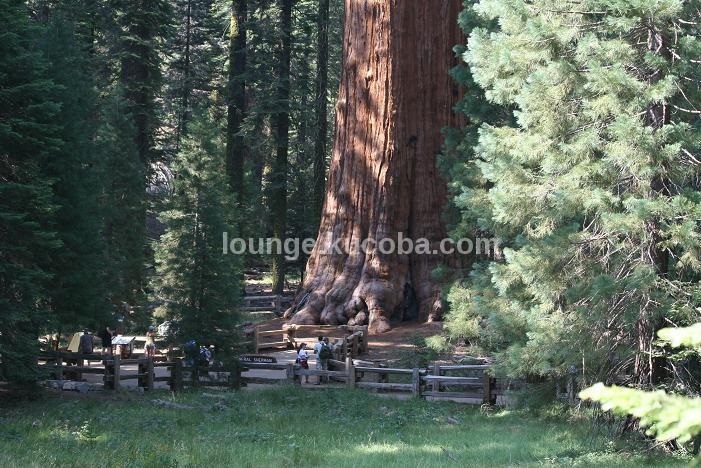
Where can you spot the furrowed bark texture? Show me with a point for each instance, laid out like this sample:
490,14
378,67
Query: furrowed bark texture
396,95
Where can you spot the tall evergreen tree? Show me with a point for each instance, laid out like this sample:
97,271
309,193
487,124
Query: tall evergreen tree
29,134
281,119
236,98
192,69
596,182
321,106
123,203
198,284
79,268
143,25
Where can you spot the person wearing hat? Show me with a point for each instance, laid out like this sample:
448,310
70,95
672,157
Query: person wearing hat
150,346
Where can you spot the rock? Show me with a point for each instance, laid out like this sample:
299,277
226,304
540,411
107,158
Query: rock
55,384
361,318
68,385
453,420
220,406
82,387
172,405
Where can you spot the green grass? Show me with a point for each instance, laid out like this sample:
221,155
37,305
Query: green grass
288,426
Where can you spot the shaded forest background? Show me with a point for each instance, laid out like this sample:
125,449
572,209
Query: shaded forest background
125,120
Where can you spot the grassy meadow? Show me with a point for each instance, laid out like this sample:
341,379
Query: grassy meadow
287,426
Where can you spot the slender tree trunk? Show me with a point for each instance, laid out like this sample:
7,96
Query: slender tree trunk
278,201
648,369
185,115
322,78
396,95
236,102
137,79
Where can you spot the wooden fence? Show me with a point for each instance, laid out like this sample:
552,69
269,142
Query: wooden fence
72,366
275,304
436,382
353,343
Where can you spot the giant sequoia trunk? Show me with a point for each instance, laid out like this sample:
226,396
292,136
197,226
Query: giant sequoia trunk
395,97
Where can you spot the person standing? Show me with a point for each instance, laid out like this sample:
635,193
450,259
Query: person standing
150,345
85,345
322,358
106,336
317,348
303,359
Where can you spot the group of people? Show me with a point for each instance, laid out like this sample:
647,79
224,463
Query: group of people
323,351
106,334
86,343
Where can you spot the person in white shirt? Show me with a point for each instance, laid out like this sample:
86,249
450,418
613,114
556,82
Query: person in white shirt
303,359
317,348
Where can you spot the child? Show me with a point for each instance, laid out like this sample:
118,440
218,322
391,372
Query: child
303,359
150,346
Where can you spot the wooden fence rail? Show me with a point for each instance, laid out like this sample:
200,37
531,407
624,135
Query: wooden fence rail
353,343
275,304
430,382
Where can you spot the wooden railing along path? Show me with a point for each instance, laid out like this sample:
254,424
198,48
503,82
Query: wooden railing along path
272,303
353,343
436,382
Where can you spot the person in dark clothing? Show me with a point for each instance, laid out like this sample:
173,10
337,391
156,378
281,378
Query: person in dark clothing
106,336
85,345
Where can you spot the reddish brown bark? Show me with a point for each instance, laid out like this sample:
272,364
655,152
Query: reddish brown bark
395,97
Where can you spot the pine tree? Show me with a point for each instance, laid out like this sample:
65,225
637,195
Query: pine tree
143,26
29,134
196,282
122,203
595,185
321,107
140,29
193,68
469,212
281,124
236,98
79,269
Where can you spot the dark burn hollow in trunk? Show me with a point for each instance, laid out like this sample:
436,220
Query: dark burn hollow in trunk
395,96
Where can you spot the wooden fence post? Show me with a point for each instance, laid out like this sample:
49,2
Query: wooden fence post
291,335
81,363
235,379
176,376
290,372
141,379
488,399
436,385
150,371
416,382
354,346
108,375
59,368
116,372
195,375
297,378
350,369
255,338
277,305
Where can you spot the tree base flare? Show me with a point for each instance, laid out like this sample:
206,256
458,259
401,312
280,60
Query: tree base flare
396,96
